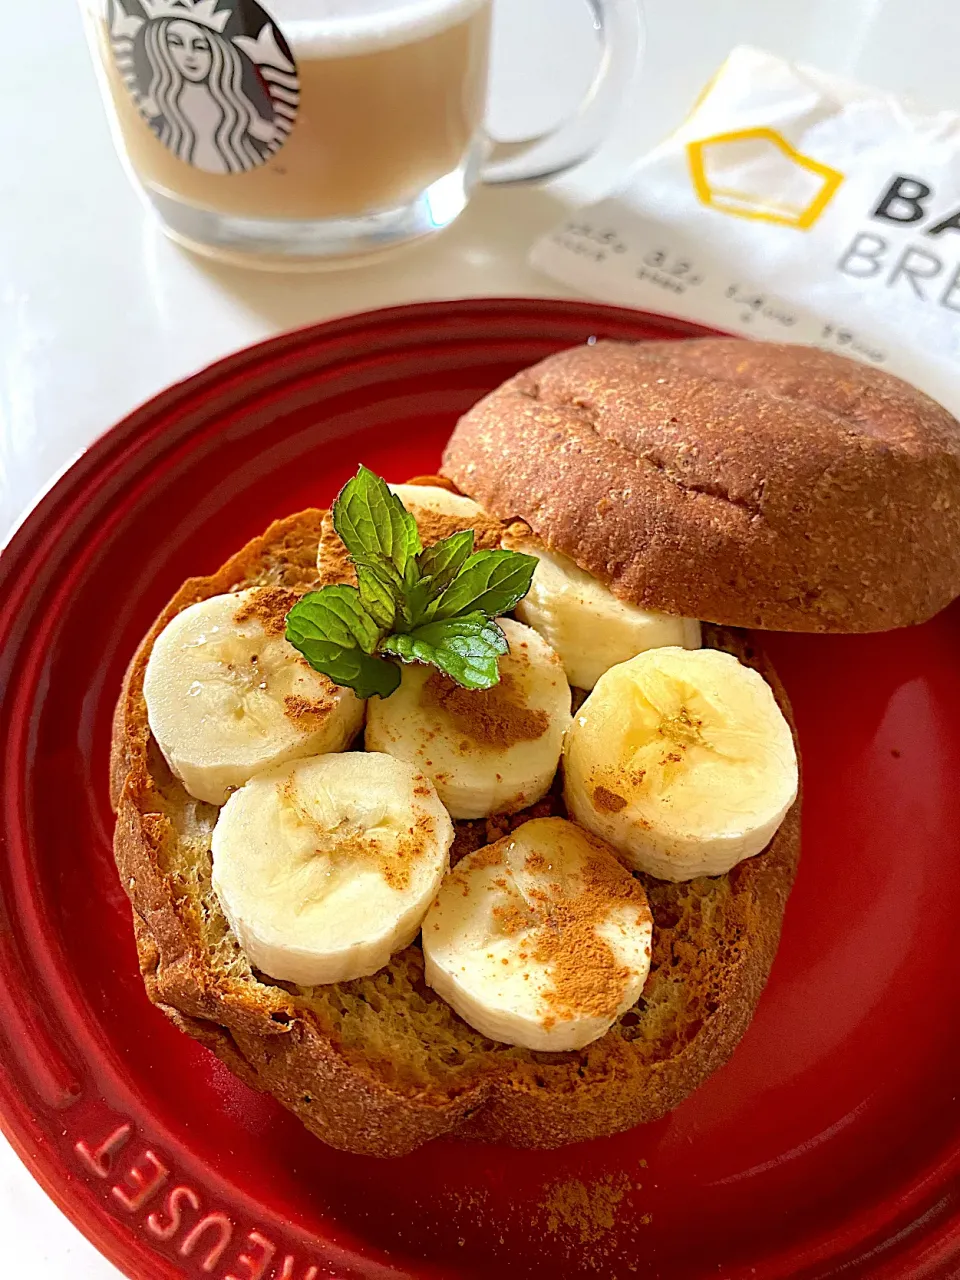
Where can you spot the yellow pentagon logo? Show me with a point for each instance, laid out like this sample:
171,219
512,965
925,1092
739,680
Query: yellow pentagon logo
755,173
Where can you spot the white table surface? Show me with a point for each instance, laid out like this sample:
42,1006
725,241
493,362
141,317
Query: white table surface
98,311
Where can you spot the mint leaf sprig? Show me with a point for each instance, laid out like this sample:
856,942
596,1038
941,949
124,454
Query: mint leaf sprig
436,606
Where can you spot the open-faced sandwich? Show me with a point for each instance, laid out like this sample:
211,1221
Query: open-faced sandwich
466,807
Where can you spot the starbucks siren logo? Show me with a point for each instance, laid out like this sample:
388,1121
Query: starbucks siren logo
215,82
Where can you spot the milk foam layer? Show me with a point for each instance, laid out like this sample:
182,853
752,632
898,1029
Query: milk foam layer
341,28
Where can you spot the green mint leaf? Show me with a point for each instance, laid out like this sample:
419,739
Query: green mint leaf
466,649
377,594
365,675
373,522
444,560
416,602
385,572
434,606
336,616
338,637
491,582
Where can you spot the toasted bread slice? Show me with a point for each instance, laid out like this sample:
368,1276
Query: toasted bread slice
382,1064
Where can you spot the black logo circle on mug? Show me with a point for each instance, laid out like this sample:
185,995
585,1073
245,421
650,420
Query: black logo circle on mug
214,79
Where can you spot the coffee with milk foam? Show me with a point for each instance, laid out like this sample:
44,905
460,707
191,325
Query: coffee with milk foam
346,107
341,28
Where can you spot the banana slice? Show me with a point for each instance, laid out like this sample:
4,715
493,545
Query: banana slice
486,751
683,761
588,626
421,498
540,940
439,513
325,867
228,696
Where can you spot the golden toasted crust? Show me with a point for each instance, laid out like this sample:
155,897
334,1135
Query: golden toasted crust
750,484
382,1065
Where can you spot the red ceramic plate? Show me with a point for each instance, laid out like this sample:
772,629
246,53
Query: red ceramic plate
829,1146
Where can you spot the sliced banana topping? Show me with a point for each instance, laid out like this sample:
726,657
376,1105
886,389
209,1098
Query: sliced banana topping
325,867
421,498
227,696
683,761
540,940
489,751
584,621
439,513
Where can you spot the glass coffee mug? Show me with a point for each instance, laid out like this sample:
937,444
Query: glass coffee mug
322,129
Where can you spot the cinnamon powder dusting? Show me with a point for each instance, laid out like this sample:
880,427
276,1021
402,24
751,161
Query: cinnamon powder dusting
488,717
336,567
348,843
587,1209
491,856
607,801
396,866
563,919
308,713
512,919
269,606
585,974
434,526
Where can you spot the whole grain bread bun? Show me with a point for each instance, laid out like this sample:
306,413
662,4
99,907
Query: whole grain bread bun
748,484
382,1064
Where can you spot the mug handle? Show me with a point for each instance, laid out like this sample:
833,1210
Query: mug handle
576,139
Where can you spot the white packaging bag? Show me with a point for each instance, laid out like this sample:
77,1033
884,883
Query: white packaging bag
793,206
